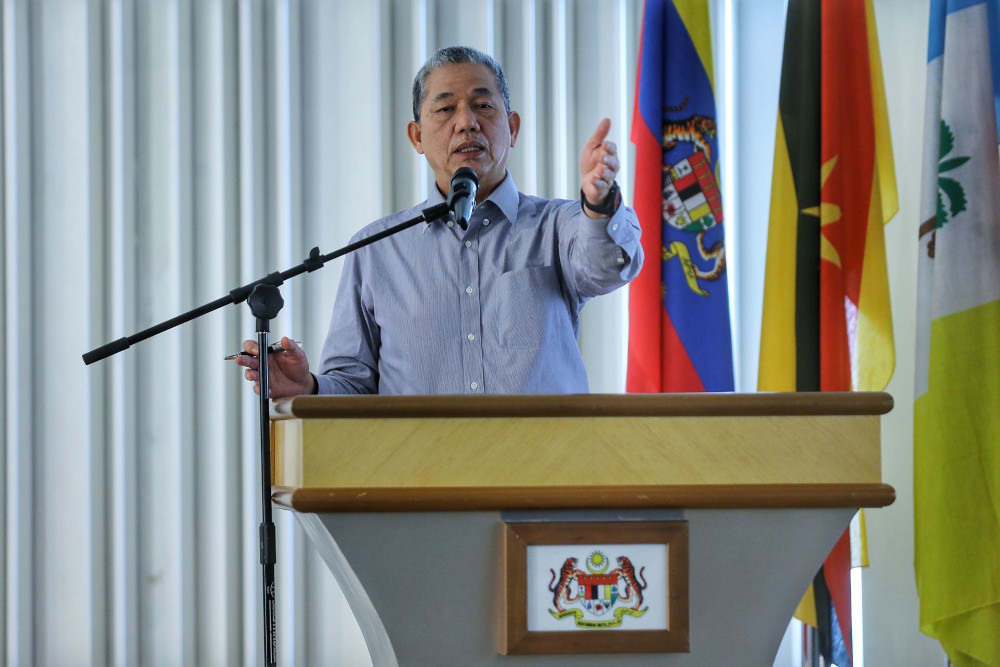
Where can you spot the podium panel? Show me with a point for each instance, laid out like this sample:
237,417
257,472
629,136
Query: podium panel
407,499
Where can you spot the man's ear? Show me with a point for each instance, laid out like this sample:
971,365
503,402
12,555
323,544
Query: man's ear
514,123
413,132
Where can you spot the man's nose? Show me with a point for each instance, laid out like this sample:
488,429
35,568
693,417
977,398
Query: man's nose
466,118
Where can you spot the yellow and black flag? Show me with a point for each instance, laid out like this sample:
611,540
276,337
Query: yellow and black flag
827,322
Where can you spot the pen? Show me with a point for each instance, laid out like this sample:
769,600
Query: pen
272,348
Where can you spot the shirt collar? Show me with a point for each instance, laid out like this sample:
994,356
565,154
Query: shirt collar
504,197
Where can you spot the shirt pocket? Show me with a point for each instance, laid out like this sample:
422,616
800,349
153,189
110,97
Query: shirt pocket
532,310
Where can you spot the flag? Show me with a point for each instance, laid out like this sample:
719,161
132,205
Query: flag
679,333
956,424
827,323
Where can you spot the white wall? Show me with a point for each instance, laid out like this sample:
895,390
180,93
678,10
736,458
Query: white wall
158,153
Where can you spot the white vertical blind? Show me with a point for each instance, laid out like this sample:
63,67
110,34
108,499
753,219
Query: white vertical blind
19,483
156,155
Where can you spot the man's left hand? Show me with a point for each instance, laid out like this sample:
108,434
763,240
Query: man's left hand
598,166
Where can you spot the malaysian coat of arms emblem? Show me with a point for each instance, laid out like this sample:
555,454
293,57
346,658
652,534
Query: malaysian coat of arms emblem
589,596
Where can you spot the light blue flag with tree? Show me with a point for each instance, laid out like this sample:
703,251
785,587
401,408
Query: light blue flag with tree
956,457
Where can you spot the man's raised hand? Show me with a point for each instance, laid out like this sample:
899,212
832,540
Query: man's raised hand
599,165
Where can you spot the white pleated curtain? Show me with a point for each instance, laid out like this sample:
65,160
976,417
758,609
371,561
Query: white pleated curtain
156,154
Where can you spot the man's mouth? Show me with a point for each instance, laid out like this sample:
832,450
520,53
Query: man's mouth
469,149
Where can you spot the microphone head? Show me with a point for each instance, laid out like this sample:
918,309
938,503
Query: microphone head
466,173
462,198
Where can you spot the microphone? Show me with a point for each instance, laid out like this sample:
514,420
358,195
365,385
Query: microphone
462,198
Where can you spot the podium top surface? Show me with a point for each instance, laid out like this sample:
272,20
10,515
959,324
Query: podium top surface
584,405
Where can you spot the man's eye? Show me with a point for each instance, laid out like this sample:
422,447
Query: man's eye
445,109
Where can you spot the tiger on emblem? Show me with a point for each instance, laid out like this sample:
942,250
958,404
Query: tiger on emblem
562,589
632,585
696,129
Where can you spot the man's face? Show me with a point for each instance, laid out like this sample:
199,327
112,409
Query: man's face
463,123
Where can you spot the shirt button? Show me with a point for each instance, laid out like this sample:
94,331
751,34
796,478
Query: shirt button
472,336
469,290
614,227
474,385
621,260
468,244
451,224
486,221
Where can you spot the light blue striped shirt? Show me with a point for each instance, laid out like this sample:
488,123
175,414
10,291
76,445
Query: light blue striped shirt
494,309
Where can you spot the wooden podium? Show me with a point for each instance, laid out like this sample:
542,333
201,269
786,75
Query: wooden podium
412,502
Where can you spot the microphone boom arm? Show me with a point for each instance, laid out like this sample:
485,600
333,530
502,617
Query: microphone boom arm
314,262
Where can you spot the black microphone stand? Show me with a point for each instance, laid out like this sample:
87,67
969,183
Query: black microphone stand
265,303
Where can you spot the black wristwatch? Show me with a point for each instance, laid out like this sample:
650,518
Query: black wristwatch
608,206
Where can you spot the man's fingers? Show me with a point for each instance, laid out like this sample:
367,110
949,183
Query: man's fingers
247,361
611,162
602,177
597,138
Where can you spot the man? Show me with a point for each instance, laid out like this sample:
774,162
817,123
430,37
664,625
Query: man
492,309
